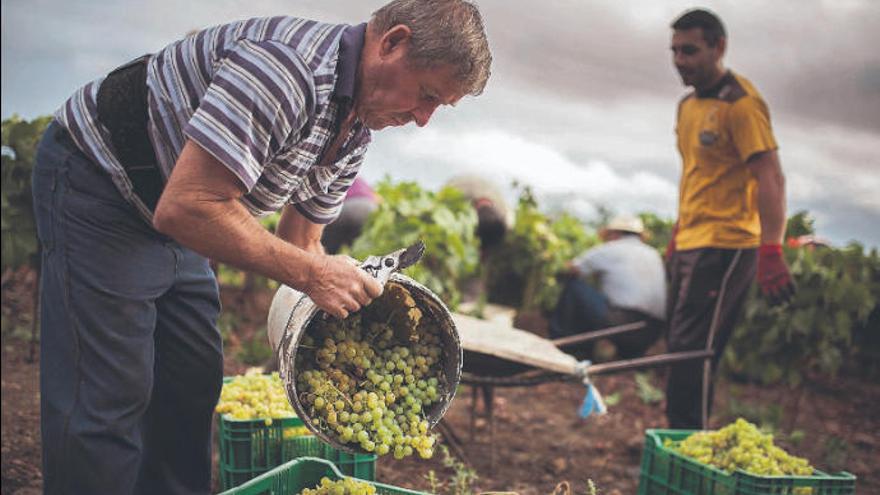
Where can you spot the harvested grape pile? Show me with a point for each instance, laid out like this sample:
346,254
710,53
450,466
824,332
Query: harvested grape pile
344,486
254,396
257,396
370,379
740,445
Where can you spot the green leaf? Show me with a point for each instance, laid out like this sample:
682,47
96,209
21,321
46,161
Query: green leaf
444,220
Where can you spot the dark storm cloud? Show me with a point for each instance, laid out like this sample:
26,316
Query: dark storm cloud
815,60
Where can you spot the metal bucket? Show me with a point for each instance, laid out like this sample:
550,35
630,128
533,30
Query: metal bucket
292,312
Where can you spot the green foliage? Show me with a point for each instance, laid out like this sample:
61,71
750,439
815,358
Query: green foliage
797,437
837,290
20,138
270,222
767,415
647,392
463,478
835,454
444,220
228,276
658,230
256,350
227,324
801,223
522,271
612,400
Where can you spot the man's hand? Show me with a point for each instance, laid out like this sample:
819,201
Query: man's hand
338,286
773,275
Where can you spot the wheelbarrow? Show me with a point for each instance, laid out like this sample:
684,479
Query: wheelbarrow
498,355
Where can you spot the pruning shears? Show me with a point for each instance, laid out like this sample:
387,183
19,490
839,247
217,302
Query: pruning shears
381,267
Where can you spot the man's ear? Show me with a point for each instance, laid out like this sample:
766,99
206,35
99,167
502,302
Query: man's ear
395,38
721,46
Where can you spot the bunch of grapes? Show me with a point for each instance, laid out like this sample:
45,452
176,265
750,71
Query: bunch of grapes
344,486
740,445
369,379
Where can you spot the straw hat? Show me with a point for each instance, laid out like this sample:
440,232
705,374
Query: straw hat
626,223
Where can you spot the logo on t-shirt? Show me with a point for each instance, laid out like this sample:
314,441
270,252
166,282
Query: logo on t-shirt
708,138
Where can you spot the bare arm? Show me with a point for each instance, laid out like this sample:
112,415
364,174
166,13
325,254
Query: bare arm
296,229
200,209
771,195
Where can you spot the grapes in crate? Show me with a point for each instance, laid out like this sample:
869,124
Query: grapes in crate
254,396
344,486
740,445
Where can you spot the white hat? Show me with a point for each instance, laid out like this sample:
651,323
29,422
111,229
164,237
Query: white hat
626,223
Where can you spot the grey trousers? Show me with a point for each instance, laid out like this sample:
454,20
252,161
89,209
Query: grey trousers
131,360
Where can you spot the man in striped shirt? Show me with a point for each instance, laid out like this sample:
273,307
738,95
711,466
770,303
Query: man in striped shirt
166,162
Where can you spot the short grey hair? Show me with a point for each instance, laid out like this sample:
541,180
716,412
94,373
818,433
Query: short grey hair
443,32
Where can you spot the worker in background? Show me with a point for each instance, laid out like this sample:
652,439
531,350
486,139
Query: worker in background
619,281
731,212
494,217
360,201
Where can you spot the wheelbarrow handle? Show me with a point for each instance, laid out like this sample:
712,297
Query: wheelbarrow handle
647,362
598,334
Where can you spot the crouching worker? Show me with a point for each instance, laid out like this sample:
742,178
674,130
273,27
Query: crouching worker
360,201
494,217
620,281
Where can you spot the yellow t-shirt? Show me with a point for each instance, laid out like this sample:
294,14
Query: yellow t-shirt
718,130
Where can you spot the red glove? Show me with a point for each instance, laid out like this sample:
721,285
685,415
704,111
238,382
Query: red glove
774,278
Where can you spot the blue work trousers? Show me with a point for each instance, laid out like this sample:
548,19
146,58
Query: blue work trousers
581,308
131,361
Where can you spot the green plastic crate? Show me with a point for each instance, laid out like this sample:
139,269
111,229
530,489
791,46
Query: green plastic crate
306,472
667,472
249,448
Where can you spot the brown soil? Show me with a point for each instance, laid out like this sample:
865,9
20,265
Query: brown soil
538,441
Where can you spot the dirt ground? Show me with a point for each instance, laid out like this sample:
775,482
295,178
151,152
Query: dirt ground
538,441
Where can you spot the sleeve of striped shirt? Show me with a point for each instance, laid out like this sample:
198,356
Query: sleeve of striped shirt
260,97
326,207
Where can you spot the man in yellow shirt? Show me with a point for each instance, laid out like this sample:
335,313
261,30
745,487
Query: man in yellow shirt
731,216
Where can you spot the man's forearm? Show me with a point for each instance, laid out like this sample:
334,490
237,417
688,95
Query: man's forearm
771,199
200,209
223,230
771,208
297,230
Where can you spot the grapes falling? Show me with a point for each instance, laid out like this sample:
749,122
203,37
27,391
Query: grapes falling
369,379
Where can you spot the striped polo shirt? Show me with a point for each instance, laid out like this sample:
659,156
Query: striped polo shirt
264,96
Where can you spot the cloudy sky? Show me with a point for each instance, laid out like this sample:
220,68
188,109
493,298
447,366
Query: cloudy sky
582,99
